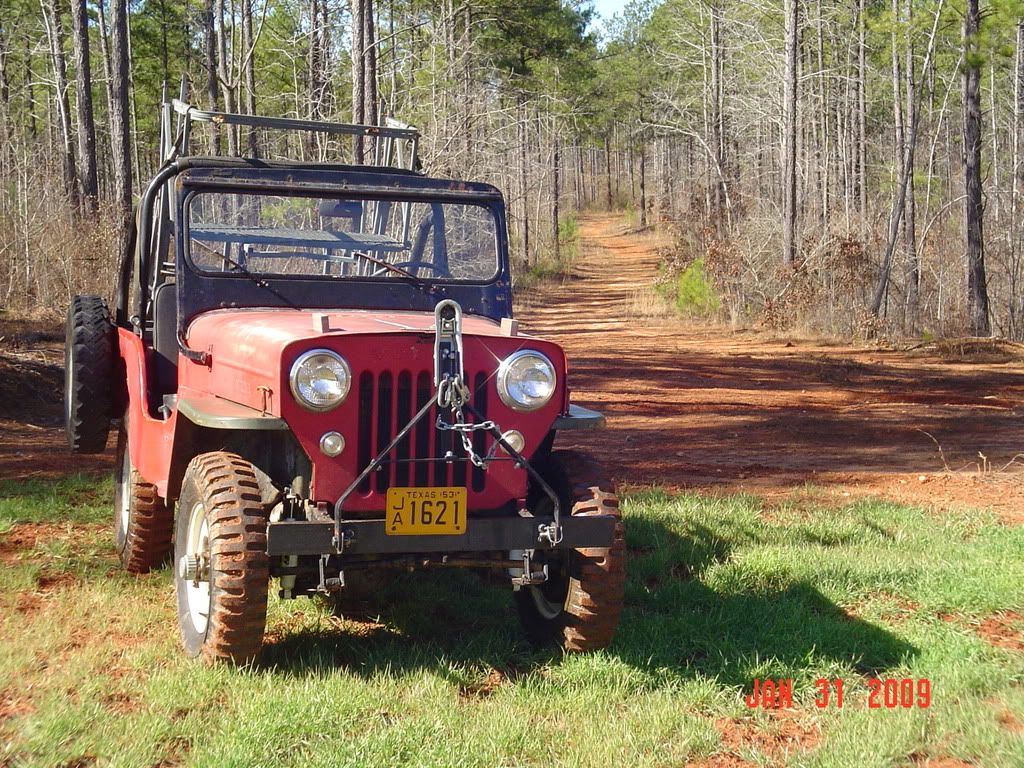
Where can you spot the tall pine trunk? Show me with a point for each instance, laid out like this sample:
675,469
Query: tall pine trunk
358,77
120,139
86,121
249,73
913,272
977,289
1014,299
789,201
210,64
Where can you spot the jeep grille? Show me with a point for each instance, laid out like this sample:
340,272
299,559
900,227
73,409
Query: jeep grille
387,402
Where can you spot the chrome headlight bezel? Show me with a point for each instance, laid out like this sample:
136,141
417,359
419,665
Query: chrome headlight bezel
505,370
304,358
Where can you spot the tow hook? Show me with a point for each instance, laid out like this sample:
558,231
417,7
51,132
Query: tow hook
549,535
193,568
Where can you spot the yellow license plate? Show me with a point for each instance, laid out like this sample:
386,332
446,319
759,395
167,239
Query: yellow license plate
430,511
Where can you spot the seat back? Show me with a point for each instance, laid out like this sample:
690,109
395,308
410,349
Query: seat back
165,339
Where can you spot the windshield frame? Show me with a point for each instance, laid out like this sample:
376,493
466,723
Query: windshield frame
397,196
199,292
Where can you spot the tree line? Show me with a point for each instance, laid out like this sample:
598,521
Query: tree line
854,167
849,167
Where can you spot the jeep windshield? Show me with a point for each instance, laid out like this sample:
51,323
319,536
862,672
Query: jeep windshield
341,238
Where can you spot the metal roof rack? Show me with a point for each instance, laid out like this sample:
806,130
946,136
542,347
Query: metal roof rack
395,144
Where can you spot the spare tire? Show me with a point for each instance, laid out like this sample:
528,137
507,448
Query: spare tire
89,368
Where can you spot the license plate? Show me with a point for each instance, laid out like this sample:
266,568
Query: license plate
425,511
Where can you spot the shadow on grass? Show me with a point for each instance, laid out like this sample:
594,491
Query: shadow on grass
673,620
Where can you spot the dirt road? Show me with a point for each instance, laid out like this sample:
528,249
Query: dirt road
704,407
689,406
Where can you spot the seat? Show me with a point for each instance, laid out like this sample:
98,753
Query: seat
165,340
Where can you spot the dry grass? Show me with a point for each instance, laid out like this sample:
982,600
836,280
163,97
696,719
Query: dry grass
648,304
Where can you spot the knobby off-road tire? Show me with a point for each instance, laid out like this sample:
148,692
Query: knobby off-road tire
580,605
143,524
222,522
89,370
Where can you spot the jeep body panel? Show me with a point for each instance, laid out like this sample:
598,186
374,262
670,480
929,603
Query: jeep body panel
243,383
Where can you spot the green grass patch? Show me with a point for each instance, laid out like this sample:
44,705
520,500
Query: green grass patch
720,591
72,499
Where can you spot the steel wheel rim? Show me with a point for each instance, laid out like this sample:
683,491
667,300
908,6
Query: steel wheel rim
68,388
550,606
125,500
546,608
197,591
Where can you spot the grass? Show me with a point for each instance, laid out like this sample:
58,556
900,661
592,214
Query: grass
720,591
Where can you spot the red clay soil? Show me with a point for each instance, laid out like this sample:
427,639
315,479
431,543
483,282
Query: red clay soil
31,386
1005,630
697,406
688,405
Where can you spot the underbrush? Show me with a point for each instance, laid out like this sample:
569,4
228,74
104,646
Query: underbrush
735,274
721,590
52,253
548,266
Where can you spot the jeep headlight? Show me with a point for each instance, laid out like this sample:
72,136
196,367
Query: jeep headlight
320,379
526,380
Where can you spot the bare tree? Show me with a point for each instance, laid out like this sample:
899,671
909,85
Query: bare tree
55,36
977,289
83,92
789,134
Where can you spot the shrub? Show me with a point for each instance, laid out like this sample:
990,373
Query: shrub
695,295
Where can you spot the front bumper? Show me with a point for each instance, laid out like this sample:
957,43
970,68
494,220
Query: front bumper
368,537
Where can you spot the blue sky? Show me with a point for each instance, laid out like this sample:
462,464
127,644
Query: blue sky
606,8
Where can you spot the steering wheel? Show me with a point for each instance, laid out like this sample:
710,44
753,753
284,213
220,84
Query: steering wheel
418,264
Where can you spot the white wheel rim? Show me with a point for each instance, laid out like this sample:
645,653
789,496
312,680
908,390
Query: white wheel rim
197,591
67,395
125,511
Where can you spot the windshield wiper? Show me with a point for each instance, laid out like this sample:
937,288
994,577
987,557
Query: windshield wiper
260,281
245,271
398,271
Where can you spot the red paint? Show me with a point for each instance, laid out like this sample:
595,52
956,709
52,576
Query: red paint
251,353
150,441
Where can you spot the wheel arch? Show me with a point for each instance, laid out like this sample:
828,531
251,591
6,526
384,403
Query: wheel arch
275,455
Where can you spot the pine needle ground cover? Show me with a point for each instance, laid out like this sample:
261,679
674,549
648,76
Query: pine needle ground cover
722,591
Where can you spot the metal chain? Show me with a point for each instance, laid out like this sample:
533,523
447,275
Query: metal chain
464,430
452,394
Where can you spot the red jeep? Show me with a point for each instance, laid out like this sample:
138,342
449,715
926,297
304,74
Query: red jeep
316,365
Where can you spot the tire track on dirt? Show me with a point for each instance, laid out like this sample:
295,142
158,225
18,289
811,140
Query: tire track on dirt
693,405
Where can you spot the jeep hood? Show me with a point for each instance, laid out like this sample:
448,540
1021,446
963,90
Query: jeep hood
247,349
266,332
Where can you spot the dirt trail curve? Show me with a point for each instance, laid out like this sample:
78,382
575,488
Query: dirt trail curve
692,406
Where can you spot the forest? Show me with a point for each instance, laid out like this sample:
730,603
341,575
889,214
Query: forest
850,169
